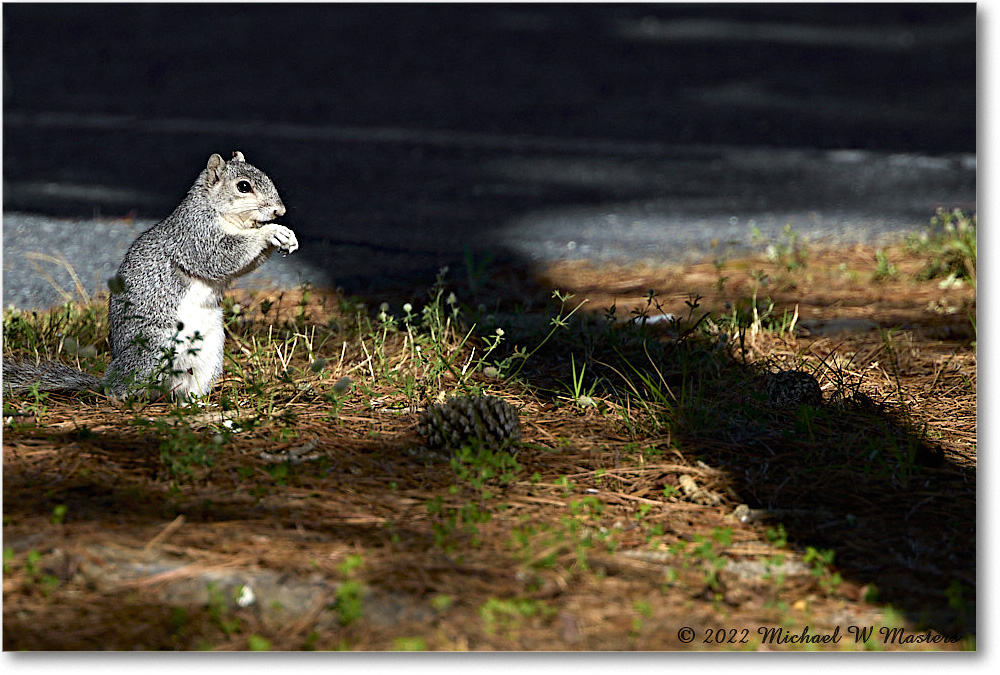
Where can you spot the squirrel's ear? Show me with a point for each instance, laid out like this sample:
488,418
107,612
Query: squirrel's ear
237,156
215,166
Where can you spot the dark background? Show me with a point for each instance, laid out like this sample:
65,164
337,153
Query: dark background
592,71
404,135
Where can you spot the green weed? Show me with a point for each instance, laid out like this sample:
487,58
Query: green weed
500,614
884,268
218,611
409,644
950,246
821,561
36,577
349,595
256,643
790,249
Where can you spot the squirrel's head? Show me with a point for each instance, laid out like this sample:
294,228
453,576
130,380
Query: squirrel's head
243,194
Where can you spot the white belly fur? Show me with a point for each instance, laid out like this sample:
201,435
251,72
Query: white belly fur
199,359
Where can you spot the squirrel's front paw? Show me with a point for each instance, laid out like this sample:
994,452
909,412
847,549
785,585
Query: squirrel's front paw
281,237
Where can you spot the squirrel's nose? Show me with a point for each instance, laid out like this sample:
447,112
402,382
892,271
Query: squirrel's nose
279,210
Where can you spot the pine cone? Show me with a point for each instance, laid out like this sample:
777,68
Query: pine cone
788,388
465,419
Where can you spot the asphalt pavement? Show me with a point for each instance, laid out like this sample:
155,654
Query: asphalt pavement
405,137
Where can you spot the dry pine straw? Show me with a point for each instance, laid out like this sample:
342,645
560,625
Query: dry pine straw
369,495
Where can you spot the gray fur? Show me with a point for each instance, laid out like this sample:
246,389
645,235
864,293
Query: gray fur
173,273
50,376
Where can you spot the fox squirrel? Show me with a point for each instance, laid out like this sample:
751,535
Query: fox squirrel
165,309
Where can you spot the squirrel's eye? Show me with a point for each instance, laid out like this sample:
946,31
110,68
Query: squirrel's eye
244,186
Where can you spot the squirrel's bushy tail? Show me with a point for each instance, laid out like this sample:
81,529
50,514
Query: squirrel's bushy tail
50,376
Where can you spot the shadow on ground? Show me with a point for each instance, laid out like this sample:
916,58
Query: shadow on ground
862,477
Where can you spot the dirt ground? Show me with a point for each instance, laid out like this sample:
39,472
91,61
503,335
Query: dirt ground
309,531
